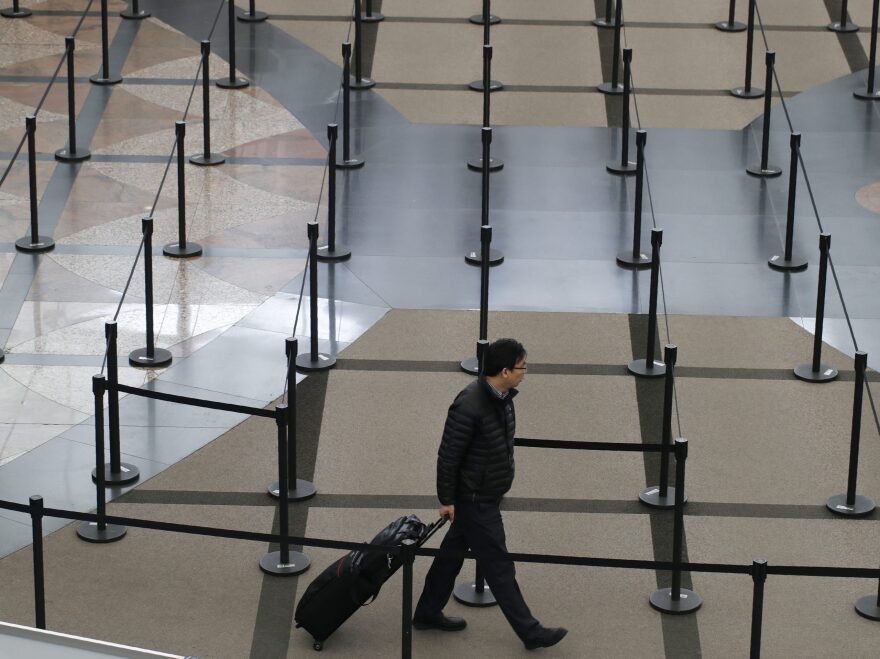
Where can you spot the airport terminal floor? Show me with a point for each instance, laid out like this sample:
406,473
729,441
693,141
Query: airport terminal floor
766,449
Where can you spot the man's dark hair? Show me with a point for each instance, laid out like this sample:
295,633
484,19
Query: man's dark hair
501,354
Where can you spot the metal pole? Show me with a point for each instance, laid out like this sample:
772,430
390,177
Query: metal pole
861,361
15,11
232,82
824,245
634,258
656,241
346,100
624,151
407,557
98,388
110,332
252,15
795,143
291,349
30,123
484,211
180,133
669,357
147,228
843,25
36,511
870,94
614,87
678,523
331,188
485,241
283,481
487,81
313,289
105,42
746,90
759,576
70,154
360,82
135,12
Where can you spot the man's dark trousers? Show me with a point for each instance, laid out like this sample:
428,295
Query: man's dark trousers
477,526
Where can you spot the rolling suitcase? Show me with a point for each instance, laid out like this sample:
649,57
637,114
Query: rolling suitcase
355,579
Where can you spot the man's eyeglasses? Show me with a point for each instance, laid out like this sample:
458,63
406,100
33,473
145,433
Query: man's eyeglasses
520,368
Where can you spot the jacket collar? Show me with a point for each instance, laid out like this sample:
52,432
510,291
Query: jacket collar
490,392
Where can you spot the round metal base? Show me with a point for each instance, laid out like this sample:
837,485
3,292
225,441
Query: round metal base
639,368
375,17
340,253
609,88
256,17
127,473
688,603
494,85
303,490
161,357
806,373
736,26
322,363
742,92
605,24
843,27
772,171
616,167
862,506
476,164
11,13
98,79
477,19
867,607
866,95
180,252
90,532
365,83
132,16
626,259
470,365
467,594
474,257
650,496
41,244
233,83
354,162
794,265
203,160
64,155
297,564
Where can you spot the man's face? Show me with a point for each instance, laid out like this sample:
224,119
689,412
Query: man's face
517,373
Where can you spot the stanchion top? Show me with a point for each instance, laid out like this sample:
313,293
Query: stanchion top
30,122
486,233
487,51
69,42
656,237
291,345
36,501
147,225
331,131
627,54
641,137
486,133
824,241
110,328
312,230
795,139
346,49
670,352
99,383
861,359
770,57
681,448
179,126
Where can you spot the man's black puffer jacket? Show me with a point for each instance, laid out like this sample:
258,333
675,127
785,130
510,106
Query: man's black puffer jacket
475,460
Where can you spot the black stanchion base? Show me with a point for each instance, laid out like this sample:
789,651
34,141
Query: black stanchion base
207,160
467,594
605,24
866,95
161,357
663,602
617,167
639,368
11,13
232,83
473,257
628,260
609,88
340,253
650,496
354,162
867,607
179,251
742,92
494,85
98,79
303,490
772,171
297,564
843,27
806,373
304,362
477,19
365,83
862,506
42,244
476,164
375,17
64,155
471,365
778,262
256,17
736,26
132,16
127,473
90,532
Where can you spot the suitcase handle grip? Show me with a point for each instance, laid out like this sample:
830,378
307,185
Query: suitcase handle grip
431,530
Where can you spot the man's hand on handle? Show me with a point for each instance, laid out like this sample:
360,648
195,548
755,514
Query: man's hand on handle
448,511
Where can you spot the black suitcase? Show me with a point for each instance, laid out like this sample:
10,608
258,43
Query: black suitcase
355,579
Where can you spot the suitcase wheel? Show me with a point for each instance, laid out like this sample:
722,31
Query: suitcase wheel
318,646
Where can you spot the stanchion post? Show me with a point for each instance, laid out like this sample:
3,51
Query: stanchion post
360,82
649,367
347,161
786,262
313,360
207,158
844,24
481,18
100,531
473,365
104,77
870,94
370,16
232,82
407,557
283,563
16,11
747,91
607,21
852,504
116,472
252,15
759,576
474,593
71,154
135,13
730,25
33,243
765,169
474,257
150,356
36,512
614,87
816,371
677,600
481,84
476,164
625,166
635,258
869,605
332,251
182,248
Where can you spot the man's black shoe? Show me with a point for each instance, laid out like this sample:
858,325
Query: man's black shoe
546,637
443,623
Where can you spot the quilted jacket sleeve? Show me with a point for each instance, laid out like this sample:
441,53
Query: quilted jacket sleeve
457,436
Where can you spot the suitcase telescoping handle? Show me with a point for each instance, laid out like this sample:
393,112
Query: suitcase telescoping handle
431,530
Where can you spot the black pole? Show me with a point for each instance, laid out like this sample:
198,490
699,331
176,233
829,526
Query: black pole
347,161
407,557
765,169
730,25
360,82
759,576
747,91
495,164
36,511
232,82
614,87
70,154
625,166
371,16
648,367
480,19
474,593
659,496
635,258
844,24
869,605
486,83
117,472
15,11
104,77
332,251
135,13
786,262
816,371
870,94
207,158
34,242
181,249
473,365
313,360
252,15
150,356
475,257
607,21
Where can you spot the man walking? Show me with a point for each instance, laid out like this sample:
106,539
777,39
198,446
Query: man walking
474,470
